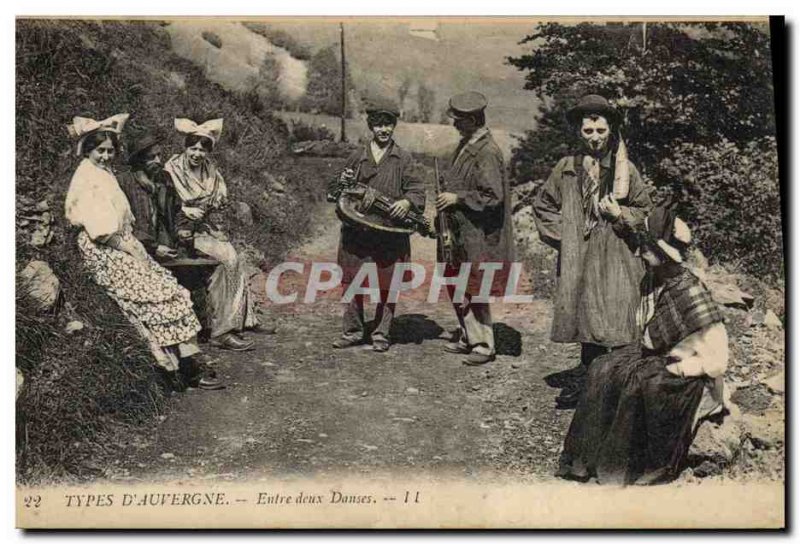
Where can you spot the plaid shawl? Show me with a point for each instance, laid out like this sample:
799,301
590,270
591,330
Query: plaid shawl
683,307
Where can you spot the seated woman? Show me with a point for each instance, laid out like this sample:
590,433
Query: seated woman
148,295
634,422
203,194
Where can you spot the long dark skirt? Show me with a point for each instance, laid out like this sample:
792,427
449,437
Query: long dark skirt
633,423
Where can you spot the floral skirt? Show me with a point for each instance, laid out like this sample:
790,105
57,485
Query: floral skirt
148,294
634,421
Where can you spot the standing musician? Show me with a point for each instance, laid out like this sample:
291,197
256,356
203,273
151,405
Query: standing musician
580,212
380,164
477,200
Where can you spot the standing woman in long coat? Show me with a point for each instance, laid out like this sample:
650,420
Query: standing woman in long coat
577,213
149,296
477,198
203,194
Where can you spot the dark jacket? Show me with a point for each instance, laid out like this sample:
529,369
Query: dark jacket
598,276
155,208
481,219
392,176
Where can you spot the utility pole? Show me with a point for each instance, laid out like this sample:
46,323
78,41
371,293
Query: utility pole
343,135
644,37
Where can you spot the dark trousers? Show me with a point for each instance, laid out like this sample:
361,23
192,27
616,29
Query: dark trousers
353,319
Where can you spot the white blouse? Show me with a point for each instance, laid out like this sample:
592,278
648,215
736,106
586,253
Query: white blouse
96,203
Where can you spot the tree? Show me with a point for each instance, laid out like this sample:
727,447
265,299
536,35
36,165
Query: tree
699,121
685,83
324,90
426,103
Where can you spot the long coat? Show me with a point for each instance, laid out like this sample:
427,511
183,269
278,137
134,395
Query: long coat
358,245
481,219
598,276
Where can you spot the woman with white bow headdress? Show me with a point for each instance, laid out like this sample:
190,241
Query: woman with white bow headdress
148,295
203,195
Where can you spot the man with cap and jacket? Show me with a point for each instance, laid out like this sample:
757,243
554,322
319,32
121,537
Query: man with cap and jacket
384,166
477,199
588,210
151,197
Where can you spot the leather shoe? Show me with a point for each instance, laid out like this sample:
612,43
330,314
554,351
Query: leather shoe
347,342
230,342
456,347
475,359
568,399
380,344
263,329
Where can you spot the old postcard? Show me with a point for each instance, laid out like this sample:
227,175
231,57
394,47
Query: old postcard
400,272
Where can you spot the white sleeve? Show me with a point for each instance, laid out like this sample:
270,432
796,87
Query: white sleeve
704,352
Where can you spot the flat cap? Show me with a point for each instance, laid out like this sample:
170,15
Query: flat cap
466,104
382,105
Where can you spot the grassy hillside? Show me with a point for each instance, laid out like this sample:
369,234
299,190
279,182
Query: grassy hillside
464,57
81,389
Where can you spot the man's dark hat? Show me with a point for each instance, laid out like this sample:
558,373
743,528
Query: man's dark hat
141,143
377,106
466,104
593,103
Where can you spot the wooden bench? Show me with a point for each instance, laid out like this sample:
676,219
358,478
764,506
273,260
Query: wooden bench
193,273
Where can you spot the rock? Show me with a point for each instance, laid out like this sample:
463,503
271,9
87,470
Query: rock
41,236
707,468
772,321
717,443
41,283
776,383
277,186
42,206
243,212
412,391
20,382
764,432
74,326
168,456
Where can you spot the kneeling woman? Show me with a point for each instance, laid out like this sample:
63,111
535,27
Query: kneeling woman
203,194
634,421
148,295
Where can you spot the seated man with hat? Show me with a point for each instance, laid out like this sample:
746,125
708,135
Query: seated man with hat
588,209
386,167
477,199
152,198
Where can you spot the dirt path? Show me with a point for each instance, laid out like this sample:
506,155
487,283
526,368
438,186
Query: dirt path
297,406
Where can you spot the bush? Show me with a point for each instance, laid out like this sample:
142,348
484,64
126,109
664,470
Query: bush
281,39
303,132
731,197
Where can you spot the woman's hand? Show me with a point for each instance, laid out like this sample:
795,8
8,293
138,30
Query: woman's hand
675,368
195,214
164,251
